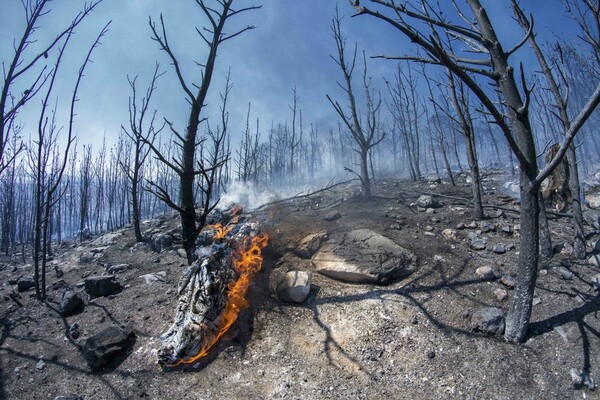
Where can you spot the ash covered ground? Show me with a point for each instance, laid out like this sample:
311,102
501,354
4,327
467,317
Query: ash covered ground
411,338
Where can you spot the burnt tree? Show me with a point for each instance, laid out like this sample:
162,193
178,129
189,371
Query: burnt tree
185,165
138,134
490,61
365,135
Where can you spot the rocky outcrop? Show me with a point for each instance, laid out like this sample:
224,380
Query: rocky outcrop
364,256
310,244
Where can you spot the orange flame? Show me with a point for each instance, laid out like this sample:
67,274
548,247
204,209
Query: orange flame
221,231
247,262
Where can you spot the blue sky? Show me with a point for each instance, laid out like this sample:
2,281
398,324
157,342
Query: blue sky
289,47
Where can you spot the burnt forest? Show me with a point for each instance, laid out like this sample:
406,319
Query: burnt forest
345,199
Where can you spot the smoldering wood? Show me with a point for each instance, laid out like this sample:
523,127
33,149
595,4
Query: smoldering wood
203,295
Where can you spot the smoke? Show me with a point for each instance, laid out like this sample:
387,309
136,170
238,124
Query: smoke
247,195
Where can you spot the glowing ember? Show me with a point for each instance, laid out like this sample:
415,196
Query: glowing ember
247,261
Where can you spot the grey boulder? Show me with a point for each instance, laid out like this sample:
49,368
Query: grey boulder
292,286
105,345
98,286
364,256
488,320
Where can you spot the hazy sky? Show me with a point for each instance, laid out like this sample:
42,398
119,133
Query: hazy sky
289,47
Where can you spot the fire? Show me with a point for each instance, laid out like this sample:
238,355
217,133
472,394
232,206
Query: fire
247,261
221,231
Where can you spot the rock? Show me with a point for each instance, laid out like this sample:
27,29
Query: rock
107,239
488,320
155,277
25,283
594,260
449,234
292,286
69,301
332,216
105,345
508,230
476,243
431,354
74,331
429,228
461,226
310,244
40,365
508,281
501,294
565,273
181,253
364,256
113,269
426,201
536,301
485,227
430,210
595,281
161,241
499,249
97,286
581,378
434,179
472,225
69,397
486,272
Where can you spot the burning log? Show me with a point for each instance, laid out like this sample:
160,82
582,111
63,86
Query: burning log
212,290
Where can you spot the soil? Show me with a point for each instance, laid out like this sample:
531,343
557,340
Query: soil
409,339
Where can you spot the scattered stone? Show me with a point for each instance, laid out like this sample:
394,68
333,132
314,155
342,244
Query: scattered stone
565,273
332,216
429,228
507,230
25,283
461,226
69,301
74,331
510,247
500,214
501,294
426,201
499,249
508,281
310,244
488,320
59,272
98,286
40,365
543,272
472,225
364,256
486,227
581,378
430,211
292,286
449,234
105,345
536,301
486,272
113,269
162,241
594,260
181,253
155,277
477,243
431,354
